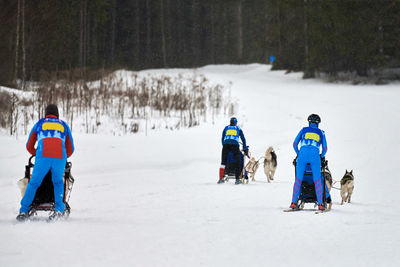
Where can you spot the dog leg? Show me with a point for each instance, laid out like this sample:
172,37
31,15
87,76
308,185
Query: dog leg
350,193
343,195
272,174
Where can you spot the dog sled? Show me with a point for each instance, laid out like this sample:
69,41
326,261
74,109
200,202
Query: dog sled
230,168
307,191
44,197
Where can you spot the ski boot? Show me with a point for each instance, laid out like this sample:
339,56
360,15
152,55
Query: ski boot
293,206
238,181
22,217
220,181
321,207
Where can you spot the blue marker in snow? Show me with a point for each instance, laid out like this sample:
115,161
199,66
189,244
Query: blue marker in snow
271,59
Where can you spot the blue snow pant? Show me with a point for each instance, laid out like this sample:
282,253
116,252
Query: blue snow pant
308,154
41,168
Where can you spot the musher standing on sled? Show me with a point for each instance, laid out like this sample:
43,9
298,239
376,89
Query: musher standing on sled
230,143
55,145
310,139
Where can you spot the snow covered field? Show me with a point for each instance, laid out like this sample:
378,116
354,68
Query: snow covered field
154,201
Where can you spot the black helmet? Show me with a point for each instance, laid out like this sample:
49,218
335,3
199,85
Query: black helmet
51,110
314,118
233,121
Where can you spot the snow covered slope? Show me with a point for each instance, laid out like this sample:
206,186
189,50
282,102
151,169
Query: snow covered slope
154,201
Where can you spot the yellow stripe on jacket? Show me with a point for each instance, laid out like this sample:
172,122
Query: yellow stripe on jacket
53,126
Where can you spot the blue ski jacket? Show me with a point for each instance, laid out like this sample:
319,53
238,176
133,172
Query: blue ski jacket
231,134
311,136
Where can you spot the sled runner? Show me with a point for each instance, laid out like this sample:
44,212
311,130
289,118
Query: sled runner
308,194
44,198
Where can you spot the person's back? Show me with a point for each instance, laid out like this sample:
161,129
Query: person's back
54,145
230,144
310,139
53,137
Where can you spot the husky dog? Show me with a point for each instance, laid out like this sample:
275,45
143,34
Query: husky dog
347,186
252,167
270,163
326,173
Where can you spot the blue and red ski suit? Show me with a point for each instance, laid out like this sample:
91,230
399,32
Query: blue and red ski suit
54,146
310,139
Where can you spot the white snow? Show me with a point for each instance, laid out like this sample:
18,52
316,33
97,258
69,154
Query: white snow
153,200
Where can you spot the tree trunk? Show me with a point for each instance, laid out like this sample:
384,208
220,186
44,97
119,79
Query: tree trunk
225,55
138,46
240,32
306,57
265,39
17,42
23,46
213,34
148,31
81,35
194,39
163,45
113,15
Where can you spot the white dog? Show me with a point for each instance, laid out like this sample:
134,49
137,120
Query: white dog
347,186
252,167
270,163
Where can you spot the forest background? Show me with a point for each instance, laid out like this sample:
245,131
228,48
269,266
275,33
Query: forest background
74,39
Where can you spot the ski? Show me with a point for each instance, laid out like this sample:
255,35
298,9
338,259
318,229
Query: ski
290,210
322,211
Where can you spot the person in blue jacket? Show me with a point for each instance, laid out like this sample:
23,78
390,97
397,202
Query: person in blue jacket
310,139
230,143
54,145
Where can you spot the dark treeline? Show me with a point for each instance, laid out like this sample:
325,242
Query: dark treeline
70,38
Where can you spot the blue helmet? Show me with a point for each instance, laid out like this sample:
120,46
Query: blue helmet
233,121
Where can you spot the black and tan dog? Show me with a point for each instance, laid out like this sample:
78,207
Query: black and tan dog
326,173
347,186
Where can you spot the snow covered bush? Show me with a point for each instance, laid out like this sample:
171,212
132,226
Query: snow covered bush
123,102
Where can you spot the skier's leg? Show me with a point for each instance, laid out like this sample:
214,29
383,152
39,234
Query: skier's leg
236,154
42,166
328,195
224,158
300,168
57,173
317,177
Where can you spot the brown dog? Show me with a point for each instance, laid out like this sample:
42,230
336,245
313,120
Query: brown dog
252,167
270,163
347,186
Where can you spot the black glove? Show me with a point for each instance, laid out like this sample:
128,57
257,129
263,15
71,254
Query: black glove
323,161
246,150
295,161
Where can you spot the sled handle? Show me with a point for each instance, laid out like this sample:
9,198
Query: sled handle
30,161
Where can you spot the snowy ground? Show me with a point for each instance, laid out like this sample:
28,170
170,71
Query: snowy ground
153,200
